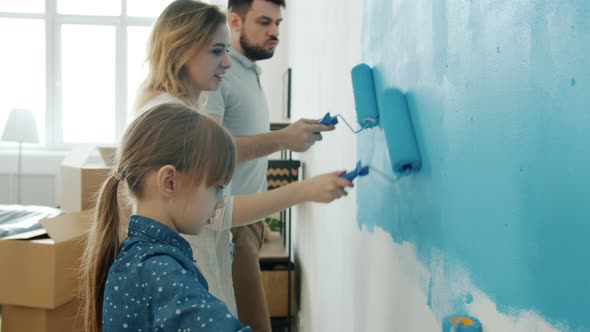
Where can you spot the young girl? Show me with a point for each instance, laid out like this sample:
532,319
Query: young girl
187,55
175,164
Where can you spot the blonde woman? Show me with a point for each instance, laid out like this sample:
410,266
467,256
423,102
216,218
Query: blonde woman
187,55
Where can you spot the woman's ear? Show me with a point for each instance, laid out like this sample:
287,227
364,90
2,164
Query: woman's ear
167,179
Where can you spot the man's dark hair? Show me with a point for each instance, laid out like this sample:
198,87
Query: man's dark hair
243,6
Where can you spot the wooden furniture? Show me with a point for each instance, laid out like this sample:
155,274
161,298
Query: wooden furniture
275,255
277,277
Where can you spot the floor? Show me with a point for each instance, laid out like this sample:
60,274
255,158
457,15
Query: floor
277,325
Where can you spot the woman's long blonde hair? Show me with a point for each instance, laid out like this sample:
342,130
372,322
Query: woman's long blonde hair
167,134
183,28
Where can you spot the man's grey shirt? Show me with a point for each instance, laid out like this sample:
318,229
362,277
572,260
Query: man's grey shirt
242,104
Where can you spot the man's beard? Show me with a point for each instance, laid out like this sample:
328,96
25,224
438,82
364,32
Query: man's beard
255,53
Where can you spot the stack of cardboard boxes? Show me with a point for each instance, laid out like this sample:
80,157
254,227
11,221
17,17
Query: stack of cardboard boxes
40,277
40,270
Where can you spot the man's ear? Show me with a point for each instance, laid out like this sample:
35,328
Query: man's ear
167,180
235,22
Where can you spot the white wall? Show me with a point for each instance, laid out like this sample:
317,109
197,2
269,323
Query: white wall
355,279
324,44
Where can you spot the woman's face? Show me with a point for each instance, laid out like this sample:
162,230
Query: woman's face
205,69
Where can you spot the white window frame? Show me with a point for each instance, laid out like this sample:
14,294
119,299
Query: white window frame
53,92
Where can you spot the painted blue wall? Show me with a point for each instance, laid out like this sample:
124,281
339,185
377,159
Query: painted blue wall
499,93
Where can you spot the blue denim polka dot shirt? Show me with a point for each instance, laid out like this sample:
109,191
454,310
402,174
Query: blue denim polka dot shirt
154,285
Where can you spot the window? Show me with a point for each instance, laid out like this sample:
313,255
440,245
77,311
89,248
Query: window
23,68
76,63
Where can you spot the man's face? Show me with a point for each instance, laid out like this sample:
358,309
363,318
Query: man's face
260,30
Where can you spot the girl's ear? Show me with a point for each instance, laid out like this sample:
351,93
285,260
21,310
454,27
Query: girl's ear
167,178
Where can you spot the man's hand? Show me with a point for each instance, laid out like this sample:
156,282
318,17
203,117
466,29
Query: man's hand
301,135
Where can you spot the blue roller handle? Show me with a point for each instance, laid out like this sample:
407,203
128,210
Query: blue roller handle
328,120
360,170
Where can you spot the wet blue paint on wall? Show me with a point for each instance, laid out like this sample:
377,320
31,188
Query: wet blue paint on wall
499,96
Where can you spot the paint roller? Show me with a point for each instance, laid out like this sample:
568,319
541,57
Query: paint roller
360,171
364,99
461,323
399,132
394,118
391,114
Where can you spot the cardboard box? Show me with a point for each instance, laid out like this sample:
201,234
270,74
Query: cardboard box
66,318
44,272
82,174
108,154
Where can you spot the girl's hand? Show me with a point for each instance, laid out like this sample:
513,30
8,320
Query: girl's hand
325,188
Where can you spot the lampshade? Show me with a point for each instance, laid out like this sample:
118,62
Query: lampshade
21,127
